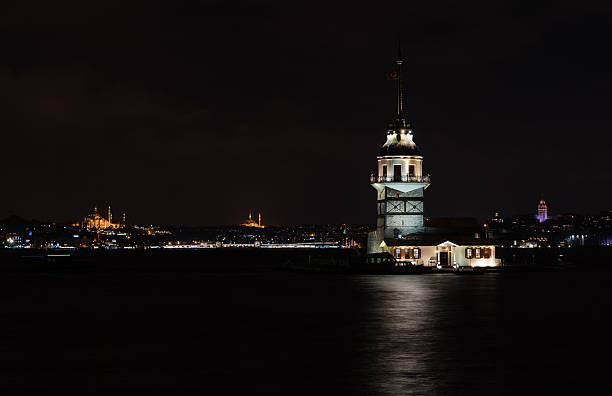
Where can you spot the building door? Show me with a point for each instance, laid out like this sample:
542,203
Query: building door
397,172
444,259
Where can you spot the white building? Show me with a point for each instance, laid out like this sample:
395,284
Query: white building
400,185
441,251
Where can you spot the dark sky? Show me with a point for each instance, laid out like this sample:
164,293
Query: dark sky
197,112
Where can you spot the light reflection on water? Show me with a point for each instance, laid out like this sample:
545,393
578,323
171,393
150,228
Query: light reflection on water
402,321
280,333
490,334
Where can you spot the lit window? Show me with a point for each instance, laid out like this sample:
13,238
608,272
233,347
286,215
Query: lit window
468,253
398,253
477,252
417,253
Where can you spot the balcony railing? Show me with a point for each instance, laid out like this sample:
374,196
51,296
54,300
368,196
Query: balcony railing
400,179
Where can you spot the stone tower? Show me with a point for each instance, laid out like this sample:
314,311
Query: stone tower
399,181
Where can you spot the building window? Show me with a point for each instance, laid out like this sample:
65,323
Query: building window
384,171
486,253
398,253
417,253
468,253
411,170
477,253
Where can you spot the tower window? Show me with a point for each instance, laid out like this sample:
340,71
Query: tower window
384,171
411,170
397,172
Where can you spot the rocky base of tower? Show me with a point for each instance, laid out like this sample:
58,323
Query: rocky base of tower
375,239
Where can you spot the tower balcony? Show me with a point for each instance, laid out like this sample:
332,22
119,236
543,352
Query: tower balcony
400,179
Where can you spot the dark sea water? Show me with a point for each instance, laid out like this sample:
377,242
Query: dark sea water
288,333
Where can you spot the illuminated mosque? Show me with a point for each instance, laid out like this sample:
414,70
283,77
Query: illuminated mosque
252,223
95,221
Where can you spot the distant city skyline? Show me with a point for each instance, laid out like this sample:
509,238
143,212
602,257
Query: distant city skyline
93,216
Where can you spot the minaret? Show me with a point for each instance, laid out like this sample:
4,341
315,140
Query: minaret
110,216
259,220
399,182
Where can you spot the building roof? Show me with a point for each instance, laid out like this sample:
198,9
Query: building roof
399,140
399,149
455,223
437,239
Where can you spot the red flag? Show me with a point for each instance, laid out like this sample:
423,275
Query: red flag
394,75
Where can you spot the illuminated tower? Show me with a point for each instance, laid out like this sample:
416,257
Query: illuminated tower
110,216
542,215
399,182
259,220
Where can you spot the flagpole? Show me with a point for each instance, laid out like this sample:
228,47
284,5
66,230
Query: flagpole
400,95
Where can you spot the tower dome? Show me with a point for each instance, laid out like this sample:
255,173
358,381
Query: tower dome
399,142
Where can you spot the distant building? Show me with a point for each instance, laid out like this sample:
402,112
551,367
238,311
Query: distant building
252,223
95,221
542,215
497,219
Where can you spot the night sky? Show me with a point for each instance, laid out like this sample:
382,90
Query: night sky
196,113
